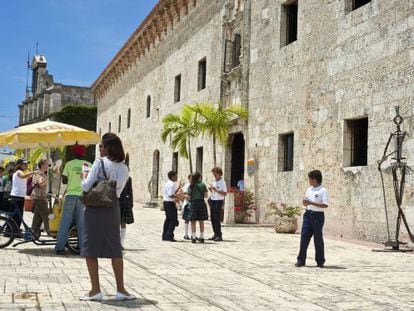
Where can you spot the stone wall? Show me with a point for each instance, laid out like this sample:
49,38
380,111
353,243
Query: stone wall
344,65
198,35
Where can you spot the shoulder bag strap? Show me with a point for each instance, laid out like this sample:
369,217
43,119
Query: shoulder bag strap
103,169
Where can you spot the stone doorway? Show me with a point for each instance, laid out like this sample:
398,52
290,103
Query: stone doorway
155,174
237,159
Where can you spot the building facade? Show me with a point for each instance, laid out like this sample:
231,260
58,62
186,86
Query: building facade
320,80
47,96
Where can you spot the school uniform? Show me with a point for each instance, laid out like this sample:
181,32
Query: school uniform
216,203
186,203
198,208
171,217
313,221
126,203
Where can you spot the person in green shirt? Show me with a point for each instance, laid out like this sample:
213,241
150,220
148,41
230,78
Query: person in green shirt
198,208
73,208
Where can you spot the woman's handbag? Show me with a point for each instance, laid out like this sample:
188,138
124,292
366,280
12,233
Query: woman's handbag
103,194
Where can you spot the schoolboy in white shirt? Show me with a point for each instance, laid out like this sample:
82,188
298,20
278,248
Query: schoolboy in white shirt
316,201
171,218
218,193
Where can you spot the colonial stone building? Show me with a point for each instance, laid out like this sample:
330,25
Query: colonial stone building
48,96
320,80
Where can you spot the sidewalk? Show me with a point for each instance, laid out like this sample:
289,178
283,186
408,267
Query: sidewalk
251,270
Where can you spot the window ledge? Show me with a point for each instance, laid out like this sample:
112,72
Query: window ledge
353,169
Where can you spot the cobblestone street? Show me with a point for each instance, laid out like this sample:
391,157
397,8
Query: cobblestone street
251,270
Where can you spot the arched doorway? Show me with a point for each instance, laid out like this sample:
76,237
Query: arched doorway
155,174
237,158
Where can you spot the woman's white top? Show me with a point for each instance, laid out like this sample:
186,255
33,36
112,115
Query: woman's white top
186,189
114,171
19,185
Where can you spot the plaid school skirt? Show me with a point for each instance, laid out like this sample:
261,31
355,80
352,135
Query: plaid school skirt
127,216
197,210
185,211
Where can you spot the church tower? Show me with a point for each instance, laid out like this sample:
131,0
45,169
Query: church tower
38,67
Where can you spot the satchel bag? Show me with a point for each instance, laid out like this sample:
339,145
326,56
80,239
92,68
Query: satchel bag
103,194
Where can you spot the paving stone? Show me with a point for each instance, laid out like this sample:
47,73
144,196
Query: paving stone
251,270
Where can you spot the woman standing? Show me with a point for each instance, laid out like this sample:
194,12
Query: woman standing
102,236
41,210
19,188
198,209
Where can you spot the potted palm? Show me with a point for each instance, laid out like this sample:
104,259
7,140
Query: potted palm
286,220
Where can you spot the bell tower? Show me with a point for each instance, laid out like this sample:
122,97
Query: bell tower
38,70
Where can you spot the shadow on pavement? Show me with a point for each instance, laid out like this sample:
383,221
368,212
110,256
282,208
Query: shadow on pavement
333,268
134,250
46,252
136,303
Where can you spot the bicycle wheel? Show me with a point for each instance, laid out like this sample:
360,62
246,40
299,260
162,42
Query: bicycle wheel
73,243
7,231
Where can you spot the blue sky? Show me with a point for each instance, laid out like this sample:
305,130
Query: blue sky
78,37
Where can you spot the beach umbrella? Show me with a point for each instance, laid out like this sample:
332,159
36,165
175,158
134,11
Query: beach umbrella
48,134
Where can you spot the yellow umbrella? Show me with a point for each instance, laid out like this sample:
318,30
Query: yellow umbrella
49,134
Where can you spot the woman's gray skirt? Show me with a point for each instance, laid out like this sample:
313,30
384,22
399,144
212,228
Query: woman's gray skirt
102,236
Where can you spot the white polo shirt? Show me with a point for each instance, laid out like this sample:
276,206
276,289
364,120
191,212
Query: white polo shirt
19,186
319,195
220,185
169,190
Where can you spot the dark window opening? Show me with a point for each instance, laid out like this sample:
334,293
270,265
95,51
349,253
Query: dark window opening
119,124
109,127
356,142
236,50
358,3
199,160
286,144
202,74
289,27
177,89
175,162
129,118
148,114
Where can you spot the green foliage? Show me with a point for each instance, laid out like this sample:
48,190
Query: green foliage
216,121
282,210
33,156
81,116
181,129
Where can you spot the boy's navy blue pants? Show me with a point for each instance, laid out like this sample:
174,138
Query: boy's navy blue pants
170,220
215,210
312,226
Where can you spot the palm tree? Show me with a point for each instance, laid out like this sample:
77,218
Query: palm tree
217,121
182,129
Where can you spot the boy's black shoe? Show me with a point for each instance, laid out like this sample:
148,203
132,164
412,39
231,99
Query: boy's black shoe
212,238
299,264
320,265
193,240
201,240
186,237
218,239
60,252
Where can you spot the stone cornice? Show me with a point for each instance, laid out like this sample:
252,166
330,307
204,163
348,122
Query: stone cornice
161,20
